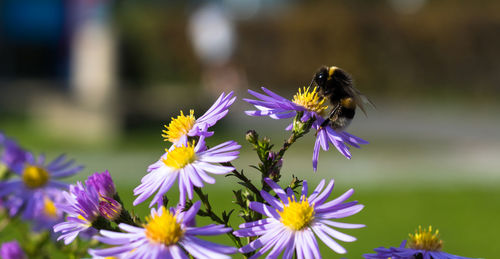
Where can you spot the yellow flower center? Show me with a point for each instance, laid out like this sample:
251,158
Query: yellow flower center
310,100
179,127
163,229
180,156
35,177
425,240
297,215
49,208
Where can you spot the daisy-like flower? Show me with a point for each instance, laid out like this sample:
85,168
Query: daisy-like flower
190,163
82,207
313,106
185,126
423,244
13,156
35,177
165,235
293,223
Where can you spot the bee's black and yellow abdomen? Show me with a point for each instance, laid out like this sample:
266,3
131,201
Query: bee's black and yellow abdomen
345,114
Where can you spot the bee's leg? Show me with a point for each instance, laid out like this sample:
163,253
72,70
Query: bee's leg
324,123
332,115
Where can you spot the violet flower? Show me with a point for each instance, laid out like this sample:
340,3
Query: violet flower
423,244
190,164
36,179
165,235
185,126
292,224
82,207
312,105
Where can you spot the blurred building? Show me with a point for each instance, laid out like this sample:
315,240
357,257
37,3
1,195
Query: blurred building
58,59
73,64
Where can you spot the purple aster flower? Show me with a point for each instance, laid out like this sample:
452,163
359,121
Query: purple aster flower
37,177
313,106
165,235
423,244
12,250
103,183
13,156
82,207
185,126
190,164
293,223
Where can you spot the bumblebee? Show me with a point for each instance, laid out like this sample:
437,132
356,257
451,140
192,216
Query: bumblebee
336,85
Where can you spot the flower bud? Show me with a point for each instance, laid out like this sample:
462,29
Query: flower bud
252,136
103,183
109,208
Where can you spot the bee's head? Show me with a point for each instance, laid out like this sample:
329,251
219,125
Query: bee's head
321,76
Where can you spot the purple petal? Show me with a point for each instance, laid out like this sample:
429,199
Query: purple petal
329,241
264,209
277,189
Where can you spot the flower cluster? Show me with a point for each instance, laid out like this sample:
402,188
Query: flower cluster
95,204
287,222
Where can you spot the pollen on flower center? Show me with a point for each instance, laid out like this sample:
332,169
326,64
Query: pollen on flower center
297,215
425,240
179,127
180,156
310,100
49,208
164,228
35,177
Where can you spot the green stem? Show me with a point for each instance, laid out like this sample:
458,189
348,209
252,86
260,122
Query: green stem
296,134
242,177
214,217
124,216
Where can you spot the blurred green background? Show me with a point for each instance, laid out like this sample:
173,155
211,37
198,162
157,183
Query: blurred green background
98,80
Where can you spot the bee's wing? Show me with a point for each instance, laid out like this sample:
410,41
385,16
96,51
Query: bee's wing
359,98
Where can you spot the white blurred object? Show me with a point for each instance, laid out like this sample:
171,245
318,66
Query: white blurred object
212,34
407,6
93,75
92,113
